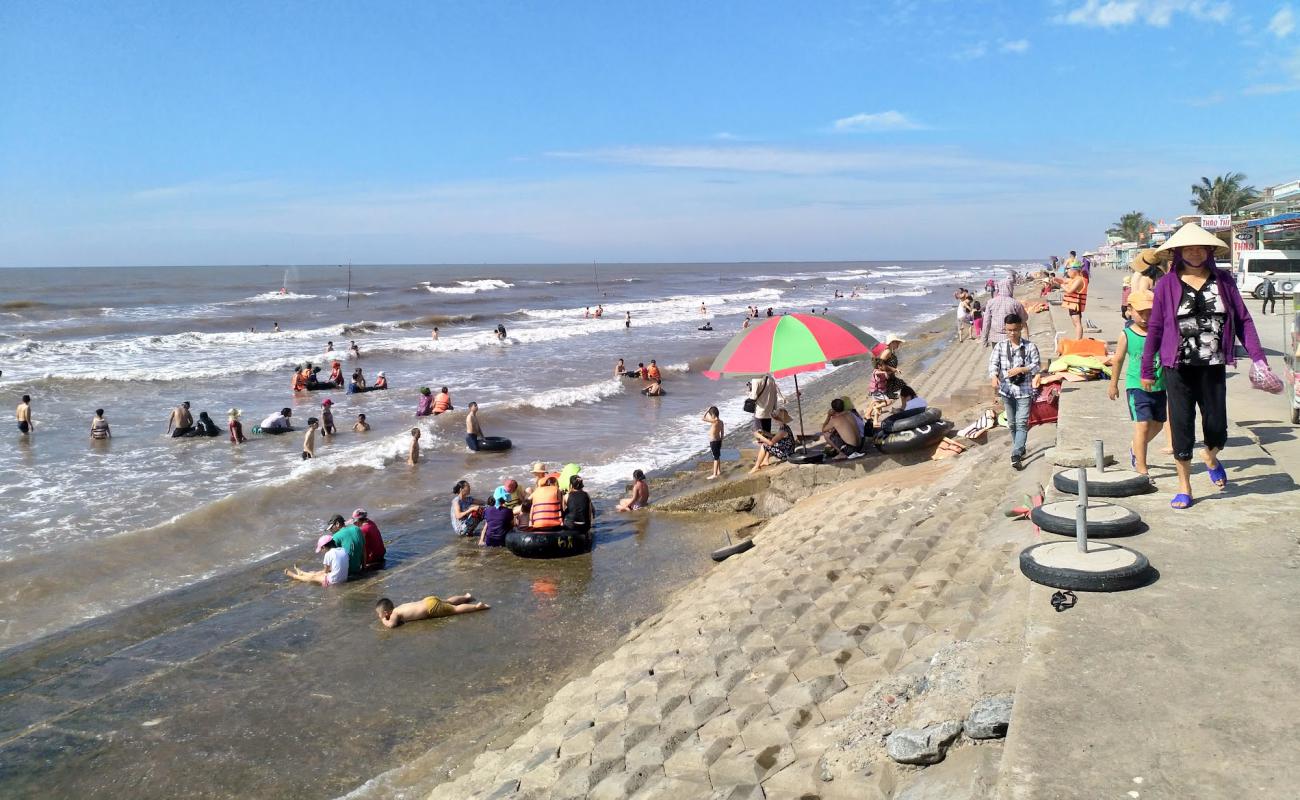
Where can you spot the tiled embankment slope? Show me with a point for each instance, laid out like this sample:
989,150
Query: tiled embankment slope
750,682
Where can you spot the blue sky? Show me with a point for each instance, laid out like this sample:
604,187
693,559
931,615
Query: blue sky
321,132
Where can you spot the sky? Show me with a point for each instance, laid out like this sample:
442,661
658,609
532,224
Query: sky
159,133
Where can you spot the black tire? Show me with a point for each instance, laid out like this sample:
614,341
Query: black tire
548,544
1059,518
1117,580
724,553
927,417
1134,484
493,444
1258,292
807,457
915,439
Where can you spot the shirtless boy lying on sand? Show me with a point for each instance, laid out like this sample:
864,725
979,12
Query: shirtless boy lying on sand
429,608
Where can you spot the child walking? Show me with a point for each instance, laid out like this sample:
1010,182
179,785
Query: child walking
1147,409
715,439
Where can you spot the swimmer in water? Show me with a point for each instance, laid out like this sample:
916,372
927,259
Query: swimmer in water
627,321
24,415
361,426
413,457
275,327
356,351
309,439
181,421
435,333
429,608
619,369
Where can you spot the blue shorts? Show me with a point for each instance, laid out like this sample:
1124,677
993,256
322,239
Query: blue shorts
1144,406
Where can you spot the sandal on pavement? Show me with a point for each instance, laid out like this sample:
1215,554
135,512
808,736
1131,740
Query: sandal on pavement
1181,501
1219,475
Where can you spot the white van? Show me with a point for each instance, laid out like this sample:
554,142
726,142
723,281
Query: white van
1252,264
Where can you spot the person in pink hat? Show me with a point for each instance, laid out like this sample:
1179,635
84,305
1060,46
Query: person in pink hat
335,560
327,417
373,550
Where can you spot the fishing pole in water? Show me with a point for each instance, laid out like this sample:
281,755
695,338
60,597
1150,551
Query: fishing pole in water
348,303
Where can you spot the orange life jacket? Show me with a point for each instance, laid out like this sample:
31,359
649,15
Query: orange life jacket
546,511
441,403
652,373
1075,301
299,382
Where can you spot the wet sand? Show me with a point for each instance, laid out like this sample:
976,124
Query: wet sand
256,687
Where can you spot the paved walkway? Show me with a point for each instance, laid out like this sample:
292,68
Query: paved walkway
1185,688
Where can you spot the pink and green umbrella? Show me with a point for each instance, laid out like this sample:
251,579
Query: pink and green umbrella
790,344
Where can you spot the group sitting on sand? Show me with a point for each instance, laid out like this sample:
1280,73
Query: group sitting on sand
350,548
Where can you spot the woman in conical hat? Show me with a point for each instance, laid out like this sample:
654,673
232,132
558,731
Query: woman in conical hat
1197,318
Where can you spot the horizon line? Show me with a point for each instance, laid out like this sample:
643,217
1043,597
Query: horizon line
501,263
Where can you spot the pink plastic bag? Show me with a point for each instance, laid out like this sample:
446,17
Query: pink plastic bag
1263,378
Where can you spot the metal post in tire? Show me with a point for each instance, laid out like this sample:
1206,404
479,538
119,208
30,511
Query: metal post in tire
1085,567
1081,515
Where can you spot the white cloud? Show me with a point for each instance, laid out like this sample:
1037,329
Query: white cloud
1269,88
1015,46
206,188
882,121
1158,13
977,50
793,161
1283,22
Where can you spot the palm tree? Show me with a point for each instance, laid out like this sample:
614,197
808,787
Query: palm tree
1225,195
1132,227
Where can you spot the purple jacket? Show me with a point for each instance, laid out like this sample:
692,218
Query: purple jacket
1162,328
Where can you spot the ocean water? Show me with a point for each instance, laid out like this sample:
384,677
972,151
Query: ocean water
109,524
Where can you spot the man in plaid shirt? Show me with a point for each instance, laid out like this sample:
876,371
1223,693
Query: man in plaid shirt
1012,367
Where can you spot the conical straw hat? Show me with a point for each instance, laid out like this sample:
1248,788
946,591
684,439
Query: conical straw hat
1191,235
1146,259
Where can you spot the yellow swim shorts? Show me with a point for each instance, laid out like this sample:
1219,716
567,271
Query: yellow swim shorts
436,607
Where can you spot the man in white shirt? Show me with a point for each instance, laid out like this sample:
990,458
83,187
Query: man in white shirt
278,423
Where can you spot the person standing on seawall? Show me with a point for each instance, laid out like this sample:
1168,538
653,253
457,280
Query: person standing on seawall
1196,319
1012,366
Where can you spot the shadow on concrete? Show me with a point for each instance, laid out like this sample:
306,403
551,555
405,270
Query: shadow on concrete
1271,431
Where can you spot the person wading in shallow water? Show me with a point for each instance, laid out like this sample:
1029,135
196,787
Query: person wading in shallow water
181,421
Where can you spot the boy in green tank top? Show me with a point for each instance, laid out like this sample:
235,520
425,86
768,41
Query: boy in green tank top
1148,409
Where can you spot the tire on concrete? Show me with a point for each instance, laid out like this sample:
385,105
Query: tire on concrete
1104,519
1116,483
1135,573
807,457
927,417
915,439
723,553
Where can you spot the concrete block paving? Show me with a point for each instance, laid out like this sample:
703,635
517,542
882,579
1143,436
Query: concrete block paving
728,701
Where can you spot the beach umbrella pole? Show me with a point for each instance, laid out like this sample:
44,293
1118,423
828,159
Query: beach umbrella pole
798,401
